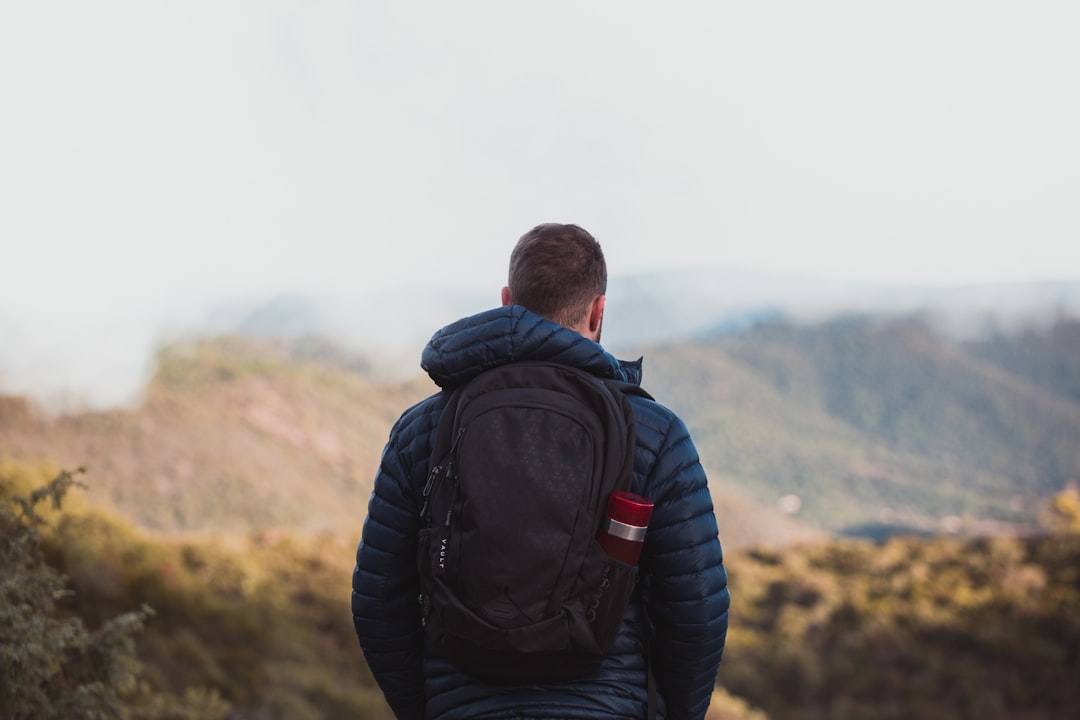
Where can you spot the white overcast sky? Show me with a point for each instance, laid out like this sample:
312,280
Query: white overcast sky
155,153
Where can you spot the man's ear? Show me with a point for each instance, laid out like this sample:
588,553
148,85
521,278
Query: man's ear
506,297
596,314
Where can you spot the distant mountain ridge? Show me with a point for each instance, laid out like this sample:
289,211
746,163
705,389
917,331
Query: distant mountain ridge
651,308
878,425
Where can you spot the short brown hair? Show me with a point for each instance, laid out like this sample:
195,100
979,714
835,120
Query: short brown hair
556,271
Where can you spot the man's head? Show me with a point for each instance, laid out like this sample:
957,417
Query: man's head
558,271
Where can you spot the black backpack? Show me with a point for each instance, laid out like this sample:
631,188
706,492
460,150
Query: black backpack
515,589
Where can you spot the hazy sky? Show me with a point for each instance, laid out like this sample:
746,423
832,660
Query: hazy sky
154,154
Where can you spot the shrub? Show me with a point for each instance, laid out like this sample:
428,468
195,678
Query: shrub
51,665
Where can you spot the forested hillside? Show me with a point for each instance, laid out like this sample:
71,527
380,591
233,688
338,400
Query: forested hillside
1047,356
878,426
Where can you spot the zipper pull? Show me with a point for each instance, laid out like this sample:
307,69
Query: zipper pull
427,489
457,440
453,452
431,479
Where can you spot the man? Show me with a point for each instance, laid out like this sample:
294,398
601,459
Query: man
553,309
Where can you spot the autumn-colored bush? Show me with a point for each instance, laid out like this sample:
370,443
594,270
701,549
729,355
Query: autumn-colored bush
259,623
910,627
51,664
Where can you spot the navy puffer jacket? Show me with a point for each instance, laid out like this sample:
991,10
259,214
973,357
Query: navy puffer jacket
683,578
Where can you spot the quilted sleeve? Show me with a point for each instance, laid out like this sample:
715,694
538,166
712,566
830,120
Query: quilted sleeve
687,597
385,584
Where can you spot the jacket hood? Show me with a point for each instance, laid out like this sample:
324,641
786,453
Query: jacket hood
464,349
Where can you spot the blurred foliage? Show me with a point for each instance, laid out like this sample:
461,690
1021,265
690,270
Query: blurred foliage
1063,511
258,622
725,706
258,625
985,629
51,665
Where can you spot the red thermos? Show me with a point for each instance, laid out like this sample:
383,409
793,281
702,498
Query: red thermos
623,530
